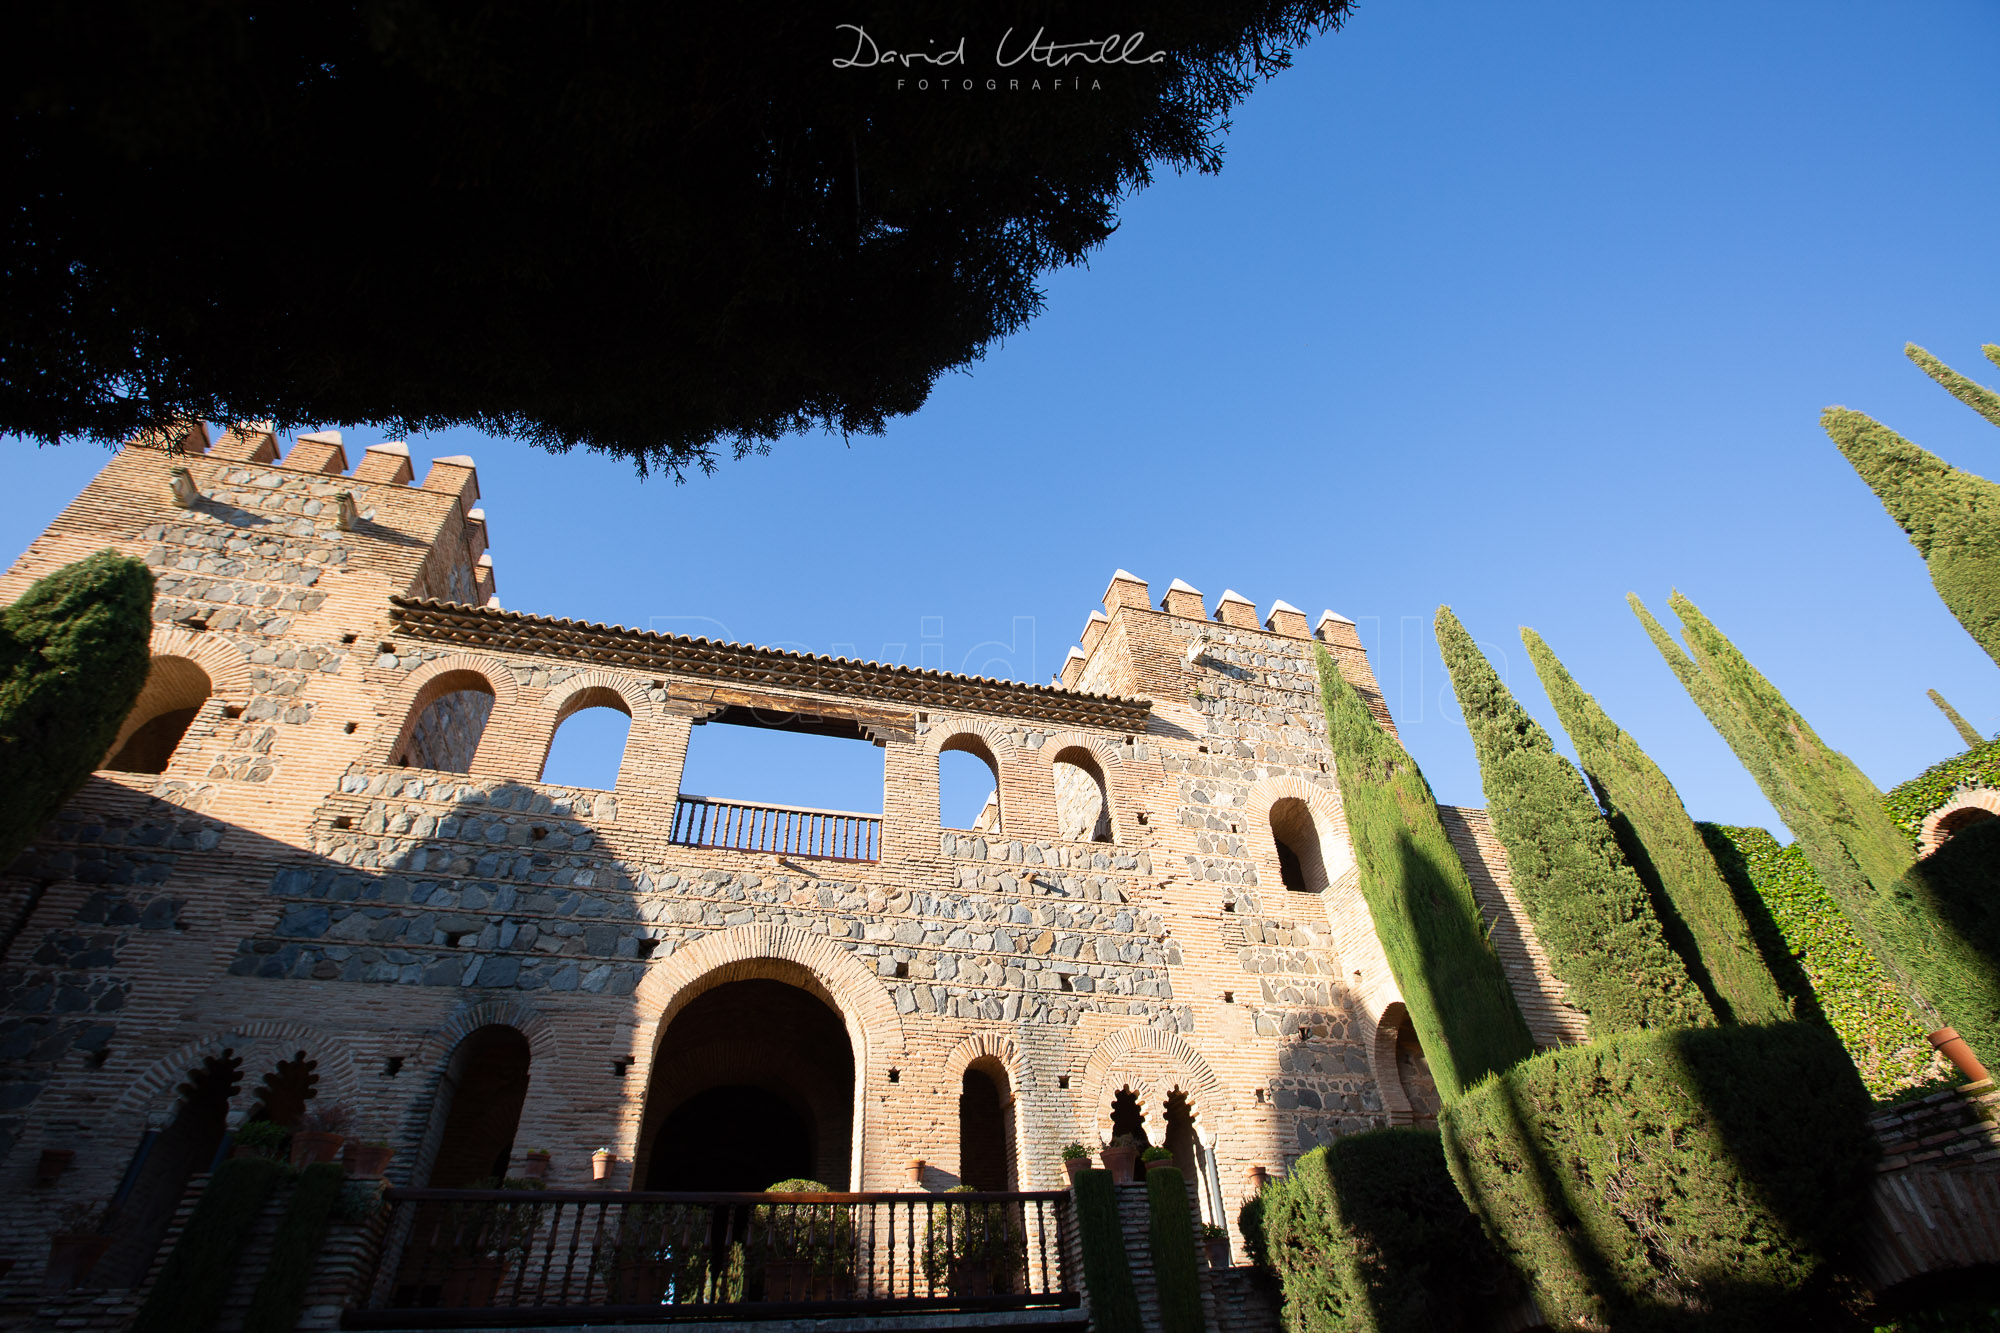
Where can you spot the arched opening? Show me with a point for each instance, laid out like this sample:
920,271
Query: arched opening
284,1092
753,1083
446,723
174,692
1191,1155
968,785
1300,866
589,741
166,1160
480,1100
1962,819
1083,807
1128,1119
985,1156
1413,1072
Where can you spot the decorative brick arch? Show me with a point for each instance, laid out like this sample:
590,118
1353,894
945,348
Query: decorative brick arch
1382,1063
227,667
1329,822
591,689
402,706
946,729
1964,808
529,1022
178,664
1152,1063
1107,754
985,1046
152,1096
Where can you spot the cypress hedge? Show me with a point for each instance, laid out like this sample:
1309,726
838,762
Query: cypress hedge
1114,1301
281,1292
1966,731
1170,1236
73,656
1417,892
1589,908
195,1279
1908,803
1655,1180
1974,395
1666,849
1370,1235
1952,517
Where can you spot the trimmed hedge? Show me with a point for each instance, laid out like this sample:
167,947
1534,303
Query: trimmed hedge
1170,1235
1973,394
1666,849
1655,1180
1823,963
1591,913
1370,1235
195,1280
281,1292
1966,731
1417,892
1107,1278
74,652
1909,802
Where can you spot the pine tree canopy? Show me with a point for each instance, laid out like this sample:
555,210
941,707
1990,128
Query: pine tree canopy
1666,849
1952,517
667,232
1590,910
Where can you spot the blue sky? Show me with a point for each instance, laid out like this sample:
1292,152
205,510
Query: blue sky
1515,308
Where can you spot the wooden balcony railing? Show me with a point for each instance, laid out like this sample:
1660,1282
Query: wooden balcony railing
523,1258
832,835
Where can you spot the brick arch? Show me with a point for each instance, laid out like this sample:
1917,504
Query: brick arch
1382,1063
1107,754
944,730
434,679
227,666
590,689
1152,1063
529,1022
994,1046
259,1046
1329,822
1956,814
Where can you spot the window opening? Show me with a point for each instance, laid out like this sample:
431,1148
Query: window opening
484,1087
161,1168
173,694
1083,807
1127,1118
983,1159
968,786
787,783
451,717
589,742
1300,866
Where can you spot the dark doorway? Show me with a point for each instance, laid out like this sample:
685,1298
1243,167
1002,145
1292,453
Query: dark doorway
485,1083
162,1167
982,1130
731,1138
1127,1120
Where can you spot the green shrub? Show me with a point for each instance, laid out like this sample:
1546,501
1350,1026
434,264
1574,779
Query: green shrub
1909,803
1822,963
1667,850
1114,1301
1970,392
1417,893
1966,731
1695,1179
1170,1235
266,1138
1370,1236
281,1292
195,1280
1591,913
74,652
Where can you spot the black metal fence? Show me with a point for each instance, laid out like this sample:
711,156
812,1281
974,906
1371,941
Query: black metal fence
487,1258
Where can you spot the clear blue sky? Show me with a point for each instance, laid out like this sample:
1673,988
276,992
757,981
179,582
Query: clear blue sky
1514,308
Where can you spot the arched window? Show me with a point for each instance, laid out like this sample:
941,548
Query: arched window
166,1160
1413,1071
1083,810
284,1092
1128,1119
445,723
1192,1156
968,785
984,1159
480,1101
589,742
174,692
1300,865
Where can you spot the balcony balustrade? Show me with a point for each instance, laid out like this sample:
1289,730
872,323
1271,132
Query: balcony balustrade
788,830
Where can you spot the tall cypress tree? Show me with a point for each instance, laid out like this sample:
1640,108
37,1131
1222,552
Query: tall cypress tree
1634,792
1966,731
1952,517
1590,910
1974,395
1416,889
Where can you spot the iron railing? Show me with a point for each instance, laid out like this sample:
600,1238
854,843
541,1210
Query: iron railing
833,835
521,1258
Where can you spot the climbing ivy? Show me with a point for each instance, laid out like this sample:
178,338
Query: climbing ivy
1909,803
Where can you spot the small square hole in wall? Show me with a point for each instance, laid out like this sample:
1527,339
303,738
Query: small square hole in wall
1229,997
392,1066
389,648
1062,1080
538,833
620,1065
1260,1096
895,1075
1203,749
902,969
1142,816
462,939
1229,906
343,821
196,623
349,638
1305,1033
352,727
99,1056
232,710
1234,829
646,946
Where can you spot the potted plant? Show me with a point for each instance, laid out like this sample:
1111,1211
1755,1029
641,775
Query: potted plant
1075,1160
1215,1243
811,1246
913,1171
321,1132
535,1164
367,1159
261,1138
53,1162
1155,1156
78,1243
658,1255
1120,1156
974,1250
601,1162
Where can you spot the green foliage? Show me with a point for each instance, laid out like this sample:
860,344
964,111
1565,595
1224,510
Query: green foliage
1591,913
1966,731
1421,901
1371,1236
1666,849
1952,517
1908,803
1974,395
281,1292
195,1279
1114,1301
73,657
1171,1237
267,1138
1655,1180
1822,962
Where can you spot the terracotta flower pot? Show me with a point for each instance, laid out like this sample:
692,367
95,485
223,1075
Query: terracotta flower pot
54,1161
535,1166
1259,1177
1947,1042
70,1260
913,1171
601,1164
367,1161
1075,1166
315,1145
1218,1251
1119,1162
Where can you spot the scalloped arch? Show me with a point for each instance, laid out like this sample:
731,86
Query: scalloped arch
259,1045
1948,818
1152,1063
